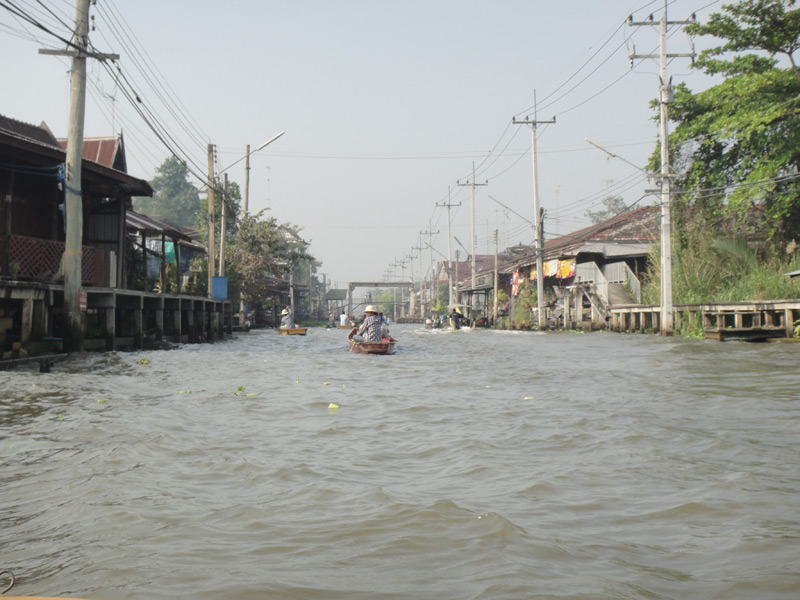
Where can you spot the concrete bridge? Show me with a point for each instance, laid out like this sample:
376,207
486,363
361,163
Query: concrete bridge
374,284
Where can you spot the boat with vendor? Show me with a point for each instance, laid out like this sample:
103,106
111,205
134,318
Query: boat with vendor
372,336
288,326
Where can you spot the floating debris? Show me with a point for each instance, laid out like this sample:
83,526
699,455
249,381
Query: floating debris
332,406
241,391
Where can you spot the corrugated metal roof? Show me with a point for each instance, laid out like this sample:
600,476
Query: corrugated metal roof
143,223
102,150
40,133
611,250
37,143
631,229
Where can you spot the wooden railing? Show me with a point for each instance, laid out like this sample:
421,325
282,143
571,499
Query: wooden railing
38,259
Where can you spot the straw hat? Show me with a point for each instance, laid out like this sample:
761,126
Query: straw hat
371,309
284,312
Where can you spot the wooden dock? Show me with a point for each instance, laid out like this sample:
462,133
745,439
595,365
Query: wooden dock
32,319
724,321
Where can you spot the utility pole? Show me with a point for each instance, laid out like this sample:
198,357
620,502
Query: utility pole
449,251
73,194
665,99
430,235
246,208
537,215
494,311
457,280
420,248
411,258
211,245
473,185
221,271
247,179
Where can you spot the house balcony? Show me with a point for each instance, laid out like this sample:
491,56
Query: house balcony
35,259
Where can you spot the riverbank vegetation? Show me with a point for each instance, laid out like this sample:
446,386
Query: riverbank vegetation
257,248
736,147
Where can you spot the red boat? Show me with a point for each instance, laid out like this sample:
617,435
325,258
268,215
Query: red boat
385,346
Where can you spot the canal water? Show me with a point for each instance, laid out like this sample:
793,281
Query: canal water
470,465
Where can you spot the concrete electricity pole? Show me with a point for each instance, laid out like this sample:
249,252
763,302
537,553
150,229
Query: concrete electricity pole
449,251
420,248
73,195
211,241
494,311
537,216
221,271
430,235
665,98
247,179
473,185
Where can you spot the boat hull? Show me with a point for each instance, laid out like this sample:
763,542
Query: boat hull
383,347
295,331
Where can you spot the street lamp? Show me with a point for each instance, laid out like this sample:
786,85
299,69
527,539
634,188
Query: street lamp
247,167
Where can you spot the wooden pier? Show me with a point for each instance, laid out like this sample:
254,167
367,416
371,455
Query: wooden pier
32,315
724,321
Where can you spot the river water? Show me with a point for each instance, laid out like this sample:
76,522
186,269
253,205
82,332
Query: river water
470,465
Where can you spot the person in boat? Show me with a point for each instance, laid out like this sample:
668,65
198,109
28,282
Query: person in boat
331,320
286,320
456,317
384,327
343,319
370,329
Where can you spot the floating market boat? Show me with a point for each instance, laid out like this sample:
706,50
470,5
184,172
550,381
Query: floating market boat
385,346
293,331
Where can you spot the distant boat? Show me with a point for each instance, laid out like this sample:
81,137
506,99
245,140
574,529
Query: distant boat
293,331
344,327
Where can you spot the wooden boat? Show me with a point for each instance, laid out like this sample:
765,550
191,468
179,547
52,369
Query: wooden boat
385,346
344,327
294,331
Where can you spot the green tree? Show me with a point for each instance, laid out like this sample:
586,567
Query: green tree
174,199
738,143
261,248
614,205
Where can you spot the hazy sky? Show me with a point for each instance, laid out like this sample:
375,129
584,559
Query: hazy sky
386,107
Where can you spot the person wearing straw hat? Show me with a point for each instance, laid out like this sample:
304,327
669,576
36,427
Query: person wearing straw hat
286,319
370,330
